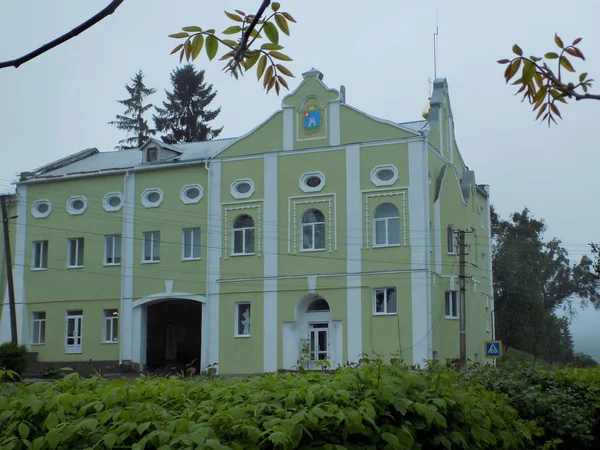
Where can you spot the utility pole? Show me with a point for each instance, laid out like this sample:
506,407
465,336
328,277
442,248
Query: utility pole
9,273
462,248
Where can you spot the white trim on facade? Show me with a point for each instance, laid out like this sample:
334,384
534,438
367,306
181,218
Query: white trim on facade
184,191
235,193
353,253
71,205
378,169
35,209
271,261
295,224
437,227
334,120
146,200
369,242
127,340
304,187
288,128
107,198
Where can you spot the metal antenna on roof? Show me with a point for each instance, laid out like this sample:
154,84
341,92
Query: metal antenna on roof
435,39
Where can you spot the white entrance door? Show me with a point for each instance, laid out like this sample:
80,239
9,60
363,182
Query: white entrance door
74,332
319,342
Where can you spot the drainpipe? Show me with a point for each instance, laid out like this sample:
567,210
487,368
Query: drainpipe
124,263
204,345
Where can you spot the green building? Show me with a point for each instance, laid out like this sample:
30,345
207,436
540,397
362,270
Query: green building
322,234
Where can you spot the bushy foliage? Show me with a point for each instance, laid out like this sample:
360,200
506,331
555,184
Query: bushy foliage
565,402
13,357
370,407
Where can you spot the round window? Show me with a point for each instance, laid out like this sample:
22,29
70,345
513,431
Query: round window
153,197
313,182
243,188
192,193
385,174
43,208
114,201
78,205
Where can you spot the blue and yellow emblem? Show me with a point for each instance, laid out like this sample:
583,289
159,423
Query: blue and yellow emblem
313,119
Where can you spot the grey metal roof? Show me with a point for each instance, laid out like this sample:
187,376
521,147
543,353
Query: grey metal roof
421,126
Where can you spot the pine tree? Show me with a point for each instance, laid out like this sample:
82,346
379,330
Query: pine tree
132,121
185,116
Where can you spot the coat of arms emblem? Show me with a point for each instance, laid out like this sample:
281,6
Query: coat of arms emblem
313,119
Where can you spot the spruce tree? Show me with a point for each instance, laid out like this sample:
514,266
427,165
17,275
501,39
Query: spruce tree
185,116
132,121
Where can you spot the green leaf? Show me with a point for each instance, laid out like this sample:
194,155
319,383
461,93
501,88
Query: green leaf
262,64
51,421
582,76
251,60
278,437
269,46
566,64
528,72
517,50
278,55
271,32
53,438
390,439
212,46
289,17
282,24
558,41
503,61
23,430
275,6
179,35
197,44
551,55
234,17
192,29
310,398
232,29
110,440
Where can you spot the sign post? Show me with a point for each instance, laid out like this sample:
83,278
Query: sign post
493,349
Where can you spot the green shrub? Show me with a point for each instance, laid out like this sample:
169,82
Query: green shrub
13,357
370,407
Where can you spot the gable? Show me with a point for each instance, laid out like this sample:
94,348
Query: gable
266,138
357,126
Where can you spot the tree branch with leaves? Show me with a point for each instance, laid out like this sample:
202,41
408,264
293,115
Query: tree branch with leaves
241,57
544,87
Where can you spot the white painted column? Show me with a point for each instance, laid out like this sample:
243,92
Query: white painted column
129,344
490,275
271,248
210,313
418,202
334,123
437,226
288,127
354,253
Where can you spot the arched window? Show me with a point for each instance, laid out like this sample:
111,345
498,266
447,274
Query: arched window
313,230
387,225
450,237
243,235
318,305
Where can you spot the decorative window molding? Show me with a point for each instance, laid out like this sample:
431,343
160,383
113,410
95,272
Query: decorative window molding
369,236
113,201
41,209
242,188
386,225
296,210
384,175
312,182
152,198
191,193
258,225
76,205
313,230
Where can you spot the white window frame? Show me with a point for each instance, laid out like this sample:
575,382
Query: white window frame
109,322
42,247
110,243
79,250
313,227
185,232
106,201
451,304
244,231
450,244
152,151
484,265
385,311
35,209
238,307
189,201
76,212
154,240
147,203
77,317
304,178
375,172
239,195
38,337
387,228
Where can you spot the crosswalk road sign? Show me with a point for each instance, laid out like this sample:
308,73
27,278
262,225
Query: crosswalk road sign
493,349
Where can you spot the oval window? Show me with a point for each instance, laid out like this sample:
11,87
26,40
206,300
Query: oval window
114,201
243,188
192,193
78,205
313,182
153,197
43,208
385,174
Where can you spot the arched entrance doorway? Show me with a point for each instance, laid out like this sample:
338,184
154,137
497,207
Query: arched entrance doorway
313,336
173,334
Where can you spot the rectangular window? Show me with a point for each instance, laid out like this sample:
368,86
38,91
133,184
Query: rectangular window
451,304
385,301
74,332
39,328
242,319
152,154
450,238
112,250
111,325
152,246
75,252
40,255
190,243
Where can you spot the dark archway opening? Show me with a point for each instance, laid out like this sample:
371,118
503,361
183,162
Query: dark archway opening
174,335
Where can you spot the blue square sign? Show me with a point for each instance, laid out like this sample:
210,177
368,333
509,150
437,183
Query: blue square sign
493,349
